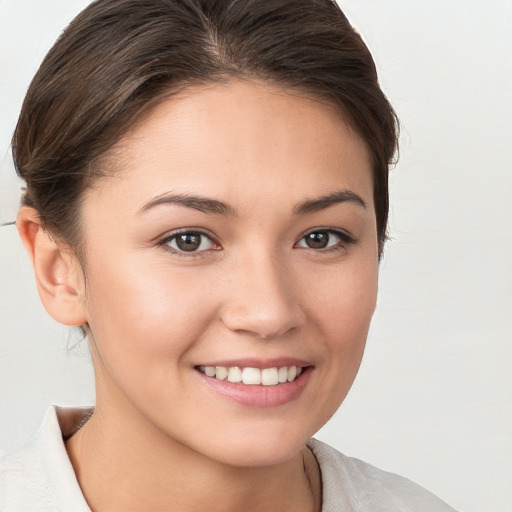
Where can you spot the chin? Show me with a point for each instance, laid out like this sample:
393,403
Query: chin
267,448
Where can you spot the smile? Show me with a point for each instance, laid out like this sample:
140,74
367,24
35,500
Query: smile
254,383
252,376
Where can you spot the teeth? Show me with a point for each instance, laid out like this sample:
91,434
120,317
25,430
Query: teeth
253,376
292,373
221,373
269,377
235,374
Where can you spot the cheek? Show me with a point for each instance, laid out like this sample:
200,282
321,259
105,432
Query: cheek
346,304
140,313
344,312
346,320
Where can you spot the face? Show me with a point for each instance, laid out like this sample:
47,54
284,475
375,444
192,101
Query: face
237,242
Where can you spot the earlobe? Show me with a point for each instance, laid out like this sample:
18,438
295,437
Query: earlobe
57,270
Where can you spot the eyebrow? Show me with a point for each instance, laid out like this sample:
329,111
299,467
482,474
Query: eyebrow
203,204
321,203
213,206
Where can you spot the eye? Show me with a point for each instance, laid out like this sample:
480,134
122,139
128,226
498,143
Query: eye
189,242
325,239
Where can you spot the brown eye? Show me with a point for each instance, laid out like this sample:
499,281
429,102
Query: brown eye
189,241
317,239
325,239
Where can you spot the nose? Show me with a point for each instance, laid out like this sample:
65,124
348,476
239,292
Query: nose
262,299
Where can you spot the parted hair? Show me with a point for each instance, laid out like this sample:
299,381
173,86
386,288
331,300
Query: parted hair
119,58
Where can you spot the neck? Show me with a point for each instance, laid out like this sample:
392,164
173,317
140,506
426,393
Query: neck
132,466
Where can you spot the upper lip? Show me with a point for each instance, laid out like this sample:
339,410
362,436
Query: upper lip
258,363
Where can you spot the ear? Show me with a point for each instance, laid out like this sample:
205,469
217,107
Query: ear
59,277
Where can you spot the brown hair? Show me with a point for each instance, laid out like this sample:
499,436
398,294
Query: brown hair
117,58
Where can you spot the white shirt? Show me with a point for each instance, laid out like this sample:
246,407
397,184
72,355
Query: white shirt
39,477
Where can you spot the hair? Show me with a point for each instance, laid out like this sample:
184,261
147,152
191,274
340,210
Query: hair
118,58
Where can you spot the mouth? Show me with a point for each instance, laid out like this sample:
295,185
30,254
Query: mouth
257,384
251,376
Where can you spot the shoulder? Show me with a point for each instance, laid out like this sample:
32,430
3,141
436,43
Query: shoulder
39,475
351,484
20,471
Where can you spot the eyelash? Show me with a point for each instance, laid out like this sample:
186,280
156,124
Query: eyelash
345,240
164,242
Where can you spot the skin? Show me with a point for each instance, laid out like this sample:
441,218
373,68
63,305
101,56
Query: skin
159,435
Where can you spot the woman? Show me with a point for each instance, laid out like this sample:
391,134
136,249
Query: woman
207,199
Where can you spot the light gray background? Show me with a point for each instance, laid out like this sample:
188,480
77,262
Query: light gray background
433,400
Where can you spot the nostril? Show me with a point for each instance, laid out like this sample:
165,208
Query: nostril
260,299
261,325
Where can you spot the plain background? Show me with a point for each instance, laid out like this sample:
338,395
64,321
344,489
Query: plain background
433,400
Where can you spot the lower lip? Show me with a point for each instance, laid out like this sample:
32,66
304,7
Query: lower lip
259,396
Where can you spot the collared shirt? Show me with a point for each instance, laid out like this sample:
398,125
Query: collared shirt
39,477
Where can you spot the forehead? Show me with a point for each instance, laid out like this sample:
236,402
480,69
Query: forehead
240,138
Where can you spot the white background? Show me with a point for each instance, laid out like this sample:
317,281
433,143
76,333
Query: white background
433,400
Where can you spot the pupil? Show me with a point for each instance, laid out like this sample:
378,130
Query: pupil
189,241
317,240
